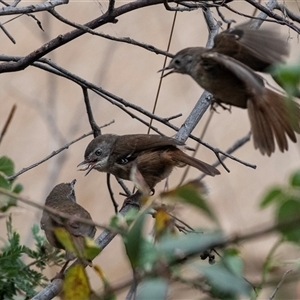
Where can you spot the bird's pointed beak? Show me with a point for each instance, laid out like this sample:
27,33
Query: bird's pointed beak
82,163
164,69
89,167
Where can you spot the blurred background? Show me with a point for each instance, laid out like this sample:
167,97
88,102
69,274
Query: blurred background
51,112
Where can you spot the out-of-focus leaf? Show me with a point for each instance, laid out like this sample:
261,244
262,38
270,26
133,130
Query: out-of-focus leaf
18,188
65,239
134,239
233,262
152,288
76,284
287,212
149,257
288,75
274,194
91,249
6,202
108,293
295,179
164,223
6,166
181,246
4,183
192,193
225,281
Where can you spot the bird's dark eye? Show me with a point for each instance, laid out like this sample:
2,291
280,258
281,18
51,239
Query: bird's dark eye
177,62
98,152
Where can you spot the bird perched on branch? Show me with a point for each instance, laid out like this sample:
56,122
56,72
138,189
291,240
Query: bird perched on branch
226,71
154,156
62,198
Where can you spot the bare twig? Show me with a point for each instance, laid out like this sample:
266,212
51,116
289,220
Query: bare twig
279,284
96,129
7,34
54,211
111,193
126,40
5,127
11,10
164,64
239,143
52,154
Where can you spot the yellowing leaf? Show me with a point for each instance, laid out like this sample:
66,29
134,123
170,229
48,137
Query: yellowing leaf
65,239
163,223
76,284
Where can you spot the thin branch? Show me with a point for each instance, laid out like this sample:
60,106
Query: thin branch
55,211
11,10
238,144
279,284
164,64
5,127
111,193
275,18
126,40
287,12
12,177
7,34
96,129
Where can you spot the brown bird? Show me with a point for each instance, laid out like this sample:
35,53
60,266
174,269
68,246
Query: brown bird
232,82
154,156
62,198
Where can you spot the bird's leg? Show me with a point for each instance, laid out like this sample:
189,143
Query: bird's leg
216,102
60,274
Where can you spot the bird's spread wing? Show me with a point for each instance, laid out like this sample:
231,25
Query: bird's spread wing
260,48
249,78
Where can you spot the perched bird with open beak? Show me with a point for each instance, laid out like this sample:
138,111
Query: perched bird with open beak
154,156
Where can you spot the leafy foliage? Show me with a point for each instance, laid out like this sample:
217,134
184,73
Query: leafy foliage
16,277
286,201
7,169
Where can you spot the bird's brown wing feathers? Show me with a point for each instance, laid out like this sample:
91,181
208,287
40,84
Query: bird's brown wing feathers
258,49
131,144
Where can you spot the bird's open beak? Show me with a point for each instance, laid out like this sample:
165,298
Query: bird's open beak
89,166
164,69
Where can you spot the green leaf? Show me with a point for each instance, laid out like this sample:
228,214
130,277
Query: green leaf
133,239
225,281
152,288
149,257
192,243
18,188
91,249
233,262
191,193
288,211
4,183
6,166
273,195
295,179
288,75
